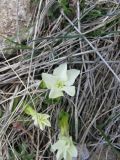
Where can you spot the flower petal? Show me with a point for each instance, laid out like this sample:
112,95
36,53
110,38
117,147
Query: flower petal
67,155
59,155
72,75
73,151
47,123
35,122
42,126
65,148
61,72
58,145
49,80
41,120
45,116
70,90
54,93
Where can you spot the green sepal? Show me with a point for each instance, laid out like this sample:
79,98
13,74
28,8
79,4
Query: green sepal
28,109
63,123
42,85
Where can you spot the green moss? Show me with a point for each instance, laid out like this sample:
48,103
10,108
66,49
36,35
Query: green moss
82,5
97,32
64,4
113,23
105,30
54,12
93,14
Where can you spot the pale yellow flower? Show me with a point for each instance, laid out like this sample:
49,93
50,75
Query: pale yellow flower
65,148
41,120
61,80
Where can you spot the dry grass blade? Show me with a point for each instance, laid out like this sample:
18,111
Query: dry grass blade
86,36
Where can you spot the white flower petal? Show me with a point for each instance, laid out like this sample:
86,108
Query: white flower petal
45,115
67,156
70,90
65,148
55,93
61,72
42,126
33,118
72,75
36,123
41,120
59,155
58,145
49,80
47,123
73,151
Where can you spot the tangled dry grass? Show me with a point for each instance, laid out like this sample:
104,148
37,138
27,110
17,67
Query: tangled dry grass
88,40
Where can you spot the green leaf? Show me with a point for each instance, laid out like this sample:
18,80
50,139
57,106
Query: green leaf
64,4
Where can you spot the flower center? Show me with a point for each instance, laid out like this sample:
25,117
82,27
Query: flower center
60,84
